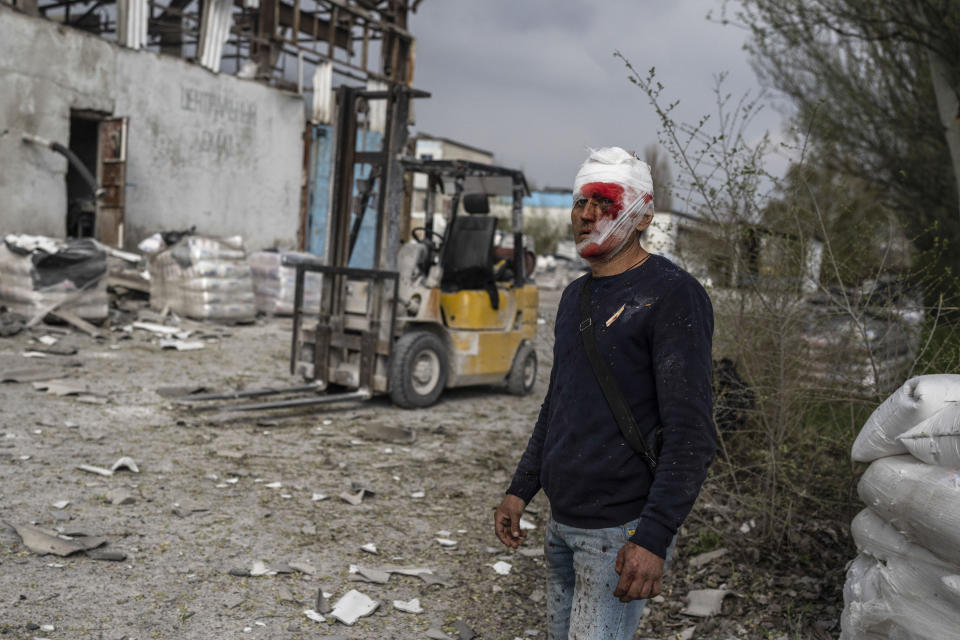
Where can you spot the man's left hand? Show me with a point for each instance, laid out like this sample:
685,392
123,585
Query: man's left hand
640,573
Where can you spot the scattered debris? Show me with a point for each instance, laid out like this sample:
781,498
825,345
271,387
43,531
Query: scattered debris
126,462
323,601
703,603
410,606
60,504
303,567
353,498
313,615
32,374
317,497
353,606
446,542
274,485
260,569
158,329
706,558
89,468
43,542
501,567
526,525
177,392
436,634
370,548
418,494
369,574
120,496
182,345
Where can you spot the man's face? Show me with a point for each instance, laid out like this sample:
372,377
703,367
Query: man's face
597,228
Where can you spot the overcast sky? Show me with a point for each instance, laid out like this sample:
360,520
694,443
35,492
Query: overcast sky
536,82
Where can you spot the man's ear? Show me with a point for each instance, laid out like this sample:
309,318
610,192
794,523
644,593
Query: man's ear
645,222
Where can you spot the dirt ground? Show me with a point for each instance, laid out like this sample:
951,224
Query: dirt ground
206,502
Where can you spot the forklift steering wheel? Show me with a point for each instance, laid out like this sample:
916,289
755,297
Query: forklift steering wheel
426,237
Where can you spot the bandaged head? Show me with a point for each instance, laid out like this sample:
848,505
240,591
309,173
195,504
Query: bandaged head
623,184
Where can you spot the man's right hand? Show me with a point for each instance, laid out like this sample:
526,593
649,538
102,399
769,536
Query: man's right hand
506,521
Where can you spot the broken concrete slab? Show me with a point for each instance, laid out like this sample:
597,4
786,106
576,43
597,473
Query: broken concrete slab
120,496
408,606
313,615
703,603
368,574
303,567
702,559
501,567
33,374
353,606
42,542
369,548
353,498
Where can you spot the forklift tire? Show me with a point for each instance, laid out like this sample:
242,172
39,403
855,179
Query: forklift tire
523,373
418,370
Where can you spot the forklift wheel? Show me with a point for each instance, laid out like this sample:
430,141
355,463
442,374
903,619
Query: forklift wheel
523,373
418,370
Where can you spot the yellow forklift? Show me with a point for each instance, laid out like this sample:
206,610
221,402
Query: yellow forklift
437,311
457,311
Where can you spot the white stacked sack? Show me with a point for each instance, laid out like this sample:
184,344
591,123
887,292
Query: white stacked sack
38,273
905,582
203,278
274,284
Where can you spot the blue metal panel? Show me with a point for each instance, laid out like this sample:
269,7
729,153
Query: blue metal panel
321,163
362,257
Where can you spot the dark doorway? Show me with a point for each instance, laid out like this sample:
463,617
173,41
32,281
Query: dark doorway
81,197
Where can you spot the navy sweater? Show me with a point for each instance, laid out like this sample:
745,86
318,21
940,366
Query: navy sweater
659,349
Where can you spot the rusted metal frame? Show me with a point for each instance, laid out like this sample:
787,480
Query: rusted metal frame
305,186
334,16
249,393
365,51
302,402
297,320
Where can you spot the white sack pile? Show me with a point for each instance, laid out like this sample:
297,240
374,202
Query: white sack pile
274,285
202,278
905,582
38,273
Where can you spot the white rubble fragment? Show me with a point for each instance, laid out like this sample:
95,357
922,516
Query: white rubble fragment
47,627
34,354
410,606
313,615
60,504
259,624
418,494
526,525
259,568
126,462
273,485
353,606
501,567
47,340
89,468
154,328
317,497
232,480
703,603
370,548
443,533
182,345
328,422
446,542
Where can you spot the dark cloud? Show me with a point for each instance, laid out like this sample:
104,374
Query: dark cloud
536,81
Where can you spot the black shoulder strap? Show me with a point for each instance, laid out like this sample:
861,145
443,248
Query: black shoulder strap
611,389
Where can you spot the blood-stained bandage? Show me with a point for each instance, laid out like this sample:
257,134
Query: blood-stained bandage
621,187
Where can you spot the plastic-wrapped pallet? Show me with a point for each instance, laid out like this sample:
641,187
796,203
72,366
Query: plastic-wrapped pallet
274,285
905,582
203,278
37,272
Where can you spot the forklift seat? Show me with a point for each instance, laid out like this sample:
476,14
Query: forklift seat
468,258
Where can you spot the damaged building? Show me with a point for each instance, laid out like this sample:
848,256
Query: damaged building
121,119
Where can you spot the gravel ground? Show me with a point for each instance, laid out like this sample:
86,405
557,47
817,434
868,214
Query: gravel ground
206,502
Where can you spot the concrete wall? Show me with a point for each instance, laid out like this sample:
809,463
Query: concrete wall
204,149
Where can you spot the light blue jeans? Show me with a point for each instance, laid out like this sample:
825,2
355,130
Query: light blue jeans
581,578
